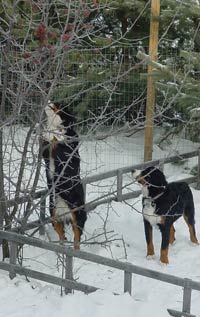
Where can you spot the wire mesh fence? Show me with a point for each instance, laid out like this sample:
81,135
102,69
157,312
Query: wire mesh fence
106,90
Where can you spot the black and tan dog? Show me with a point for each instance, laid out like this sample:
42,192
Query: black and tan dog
163,203
62,161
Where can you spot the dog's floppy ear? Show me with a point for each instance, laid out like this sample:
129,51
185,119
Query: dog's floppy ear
154,176
65,114
161,180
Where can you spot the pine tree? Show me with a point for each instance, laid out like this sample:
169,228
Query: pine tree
177,71
85,52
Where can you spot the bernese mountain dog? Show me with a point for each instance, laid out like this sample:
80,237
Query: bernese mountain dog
62,161
163,203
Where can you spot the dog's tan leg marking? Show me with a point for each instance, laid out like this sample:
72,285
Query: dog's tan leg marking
193,237
150,247
76,233
164,256
172,234
163,219
58,226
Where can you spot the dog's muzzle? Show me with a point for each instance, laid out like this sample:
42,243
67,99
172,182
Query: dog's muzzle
52,106
136,174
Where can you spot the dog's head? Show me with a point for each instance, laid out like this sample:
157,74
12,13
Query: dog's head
59,112
150,178
59,119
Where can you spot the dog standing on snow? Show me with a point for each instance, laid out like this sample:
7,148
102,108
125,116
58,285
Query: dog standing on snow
62,162
163,203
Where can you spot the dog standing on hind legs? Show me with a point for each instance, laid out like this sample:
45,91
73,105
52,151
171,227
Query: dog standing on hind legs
62,163
163,203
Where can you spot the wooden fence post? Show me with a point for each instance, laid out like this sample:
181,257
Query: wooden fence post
119,184
187,291
151,99
127,282
68,271
13,258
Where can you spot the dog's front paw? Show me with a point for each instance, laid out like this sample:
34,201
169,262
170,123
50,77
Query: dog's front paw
162,264
194,244
151,257
164,260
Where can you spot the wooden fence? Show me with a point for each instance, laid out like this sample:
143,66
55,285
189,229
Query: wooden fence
119,173
69,284
117,195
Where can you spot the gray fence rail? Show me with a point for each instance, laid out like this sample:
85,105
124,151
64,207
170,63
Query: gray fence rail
69,284
117,195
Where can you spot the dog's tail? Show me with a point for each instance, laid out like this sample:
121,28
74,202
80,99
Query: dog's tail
189,209
81,216
189,213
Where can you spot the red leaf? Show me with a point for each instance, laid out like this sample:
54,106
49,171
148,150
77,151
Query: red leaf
86,14
69,27
26,54
53,35
66,37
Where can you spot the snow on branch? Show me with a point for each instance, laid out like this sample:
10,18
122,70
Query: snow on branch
158,66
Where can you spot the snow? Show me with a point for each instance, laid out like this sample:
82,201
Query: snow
117,230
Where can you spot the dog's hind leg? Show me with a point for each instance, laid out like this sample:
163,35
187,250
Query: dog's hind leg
191,226
58,226
77,235
165,232
149,238
172,234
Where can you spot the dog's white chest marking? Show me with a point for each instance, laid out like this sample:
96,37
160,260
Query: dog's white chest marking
149,212
62,210
145,191
54,127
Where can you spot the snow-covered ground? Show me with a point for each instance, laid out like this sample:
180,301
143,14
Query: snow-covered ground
117,230
118,151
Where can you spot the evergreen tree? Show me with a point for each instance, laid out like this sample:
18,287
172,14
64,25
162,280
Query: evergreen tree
178,81
178,67
85,52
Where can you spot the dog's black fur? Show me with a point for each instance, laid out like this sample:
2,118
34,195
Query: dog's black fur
65,182
163,204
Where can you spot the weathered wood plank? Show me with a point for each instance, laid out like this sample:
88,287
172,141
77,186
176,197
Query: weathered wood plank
176,313
103,176
119,184
128,169
47,278
124,266
25,198
42,215
187,293
99,177
13,258
151,89
68,271
127,282
92,205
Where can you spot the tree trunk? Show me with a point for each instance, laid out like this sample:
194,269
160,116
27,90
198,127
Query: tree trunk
5,248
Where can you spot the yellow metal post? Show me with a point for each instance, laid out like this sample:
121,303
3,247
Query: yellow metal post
151,99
